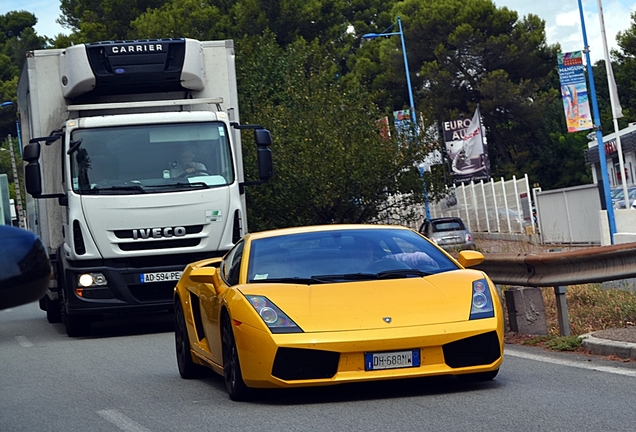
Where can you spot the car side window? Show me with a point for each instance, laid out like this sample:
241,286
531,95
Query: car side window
232,265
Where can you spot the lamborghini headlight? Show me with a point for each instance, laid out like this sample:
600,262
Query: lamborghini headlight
275,319
482,306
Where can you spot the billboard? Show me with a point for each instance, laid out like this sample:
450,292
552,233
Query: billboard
467,150
574,91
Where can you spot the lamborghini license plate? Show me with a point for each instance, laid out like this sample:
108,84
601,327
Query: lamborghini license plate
392,360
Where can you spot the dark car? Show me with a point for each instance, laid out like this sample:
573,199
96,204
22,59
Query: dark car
449,233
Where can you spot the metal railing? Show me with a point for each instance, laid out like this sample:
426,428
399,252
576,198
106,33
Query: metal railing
559,269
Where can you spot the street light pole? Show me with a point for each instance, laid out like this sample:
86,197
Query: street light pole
16,179
410,90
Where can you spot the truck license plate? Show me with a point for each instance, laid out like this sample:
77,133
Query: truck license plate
160,276
392,360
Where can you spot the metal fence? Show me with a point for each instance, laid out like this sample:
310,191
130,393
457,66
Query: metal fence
504,206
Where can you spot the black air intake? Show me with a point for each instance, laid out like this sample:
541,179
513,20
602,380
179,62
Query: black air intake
78,238
299,364
477,350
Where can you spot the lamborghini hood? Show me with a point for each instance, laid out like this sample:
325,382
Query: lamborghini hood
374,304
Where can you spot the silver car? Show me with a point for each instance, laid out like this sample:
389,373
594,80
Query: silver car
449,233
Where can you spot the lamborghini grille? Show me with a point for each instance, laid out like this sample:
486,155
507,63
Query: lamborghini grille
301,364
477,350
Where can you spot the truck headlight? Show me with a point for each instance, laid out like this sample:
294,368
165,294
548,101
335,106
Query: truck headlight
87,280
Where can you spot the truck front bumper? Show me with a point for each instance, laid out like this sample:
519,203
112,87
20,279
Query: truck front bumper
117,290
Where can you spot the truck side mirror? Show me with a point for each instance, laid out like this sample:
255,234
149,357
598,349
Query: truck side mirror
264,154
26,269
32,173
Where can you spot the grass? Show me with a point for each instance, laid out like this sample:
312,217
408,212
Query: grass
590,308
556,343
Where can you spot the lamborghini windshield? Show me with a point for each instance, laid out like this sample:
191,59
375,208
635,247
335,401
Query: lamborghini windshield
344,255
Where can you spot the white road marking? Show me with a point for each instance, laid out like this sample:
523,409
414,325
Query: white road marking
609,369
24,341
121,421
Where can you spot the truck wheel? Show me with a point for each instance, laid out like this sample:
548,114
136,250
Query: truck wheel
53,312
187,367
76,325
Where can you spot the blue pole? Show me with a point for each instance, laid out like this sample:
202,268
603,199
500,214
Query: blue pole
410,89
413,117
599,133
406,67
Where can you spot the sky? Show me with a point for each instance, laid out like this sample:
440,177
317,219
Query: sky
562,19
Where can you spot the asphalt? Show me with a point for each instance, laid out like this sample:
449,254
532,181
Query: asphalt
620,342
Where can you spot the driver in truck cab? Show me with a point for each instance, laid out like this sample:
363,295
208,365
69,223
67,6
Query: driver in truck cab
186,165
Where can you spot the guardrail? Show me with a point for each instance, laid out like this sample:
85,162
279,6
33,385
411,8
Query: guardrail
559,269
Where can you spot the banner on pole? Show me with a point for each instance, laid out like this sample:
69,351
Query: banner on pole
402,122
574,91
467,150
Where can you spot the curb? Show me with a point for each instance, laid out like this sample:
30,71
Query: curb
609,347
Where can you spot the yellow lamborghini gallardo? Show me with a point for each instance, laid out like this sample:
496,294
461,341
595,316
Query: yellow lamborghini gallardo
323,305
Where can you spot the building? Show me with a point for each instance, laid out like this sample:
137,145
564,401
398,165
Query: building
628,145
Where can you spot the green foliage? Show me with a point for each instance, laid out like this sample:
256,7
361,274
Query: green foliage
99,20
185,18
556,343
331,165
322,104
564,343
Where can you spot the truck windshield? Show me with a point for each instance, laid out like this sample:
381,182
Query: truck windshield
150,158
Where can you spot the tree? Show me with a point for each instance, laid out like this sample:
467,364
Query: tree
331,164
99,20
186,18
468,52
17,37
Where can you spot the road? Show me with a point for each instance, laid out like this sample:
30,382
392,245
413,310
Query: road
124,378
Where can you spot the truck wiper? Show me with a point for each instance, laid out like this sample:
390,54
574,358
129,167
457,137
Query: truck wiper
131,187
184,185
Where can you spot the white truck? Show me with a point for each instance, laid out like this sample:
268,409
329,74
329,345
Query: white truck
134,169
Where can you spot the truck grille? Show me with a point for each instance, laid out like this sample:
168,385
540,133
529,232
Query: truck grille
150,244
477,350
153,292
128,234
159,244
299,364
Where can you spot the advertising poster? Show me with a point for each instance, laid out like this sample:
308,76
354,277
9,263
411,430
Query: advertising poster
402,122
574,91
467,150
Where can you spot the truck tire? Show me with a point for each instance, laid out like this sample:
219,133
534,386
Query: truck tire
77,326
53,311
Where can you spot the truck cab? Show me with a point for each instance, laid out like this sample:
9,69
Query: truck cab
134,169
